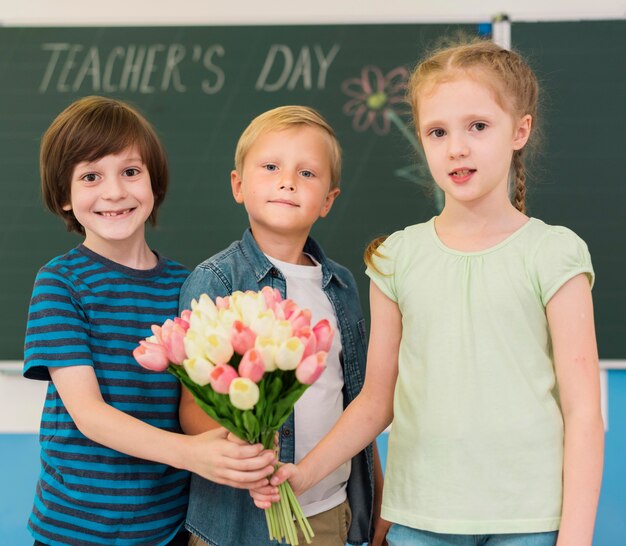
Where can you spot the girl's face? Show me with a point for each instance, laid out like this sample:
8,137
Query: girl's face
112,198
469,140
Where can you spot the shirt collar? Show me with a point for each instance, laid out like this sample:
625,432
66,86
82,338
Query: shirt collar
262,266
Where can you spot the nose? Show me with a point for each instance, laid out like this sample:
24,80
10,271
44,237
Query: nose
114,189
287,182
457,146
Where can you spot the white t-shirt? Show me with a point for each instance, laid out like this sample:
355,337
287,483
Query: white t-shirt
321,405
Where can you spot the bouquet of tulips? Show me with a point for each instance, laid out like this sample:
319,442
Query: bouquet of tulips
246,359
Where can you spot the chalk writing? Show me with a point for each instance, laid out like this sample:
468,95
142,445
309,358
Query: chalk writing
290,73
134,68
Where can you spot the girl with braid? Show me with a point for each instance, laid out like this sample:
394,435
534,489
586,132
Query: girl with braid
482,346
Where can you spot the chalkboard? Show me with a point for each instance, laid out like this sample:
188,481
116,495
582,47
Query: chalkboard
201,86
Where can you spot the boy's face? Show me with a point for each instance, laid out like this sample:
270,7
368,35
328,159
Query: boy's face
112,198
285,184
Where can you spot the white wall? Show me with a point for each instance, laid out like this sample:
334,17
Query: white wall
206,12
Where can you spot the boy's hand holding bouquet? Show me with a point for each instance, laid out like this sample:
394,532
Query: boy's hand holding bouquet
246,359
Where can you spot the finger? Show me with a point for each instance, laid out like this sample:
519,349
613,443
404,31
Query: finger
250,464
273,497
266,493
246,485
281,475
235,439
247,478
243,451
262,504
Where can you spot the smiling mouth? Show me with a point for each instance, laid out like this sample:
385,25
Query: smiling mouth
114,213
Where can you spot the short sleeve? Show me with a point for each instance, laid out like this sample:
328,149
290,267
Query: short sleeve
57,332
383,270
560,256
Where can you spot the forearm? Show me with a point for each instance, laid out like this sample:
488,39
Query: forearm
582,476
117,430
359,425
192,419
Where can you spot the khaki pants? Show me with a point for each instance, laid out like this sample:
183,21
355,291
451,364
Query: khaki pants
330,528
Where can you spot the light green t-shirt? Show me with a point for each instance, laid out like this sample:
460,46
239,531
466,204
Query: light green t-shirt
476,445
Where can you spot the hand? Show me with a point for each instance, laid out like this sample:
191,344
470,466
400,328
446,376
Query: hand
223,458
381,528
267,494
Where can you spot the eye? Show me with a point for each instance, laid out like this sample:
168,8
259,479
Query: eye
270,167
438,133
307,174
90,177
132,171
479,126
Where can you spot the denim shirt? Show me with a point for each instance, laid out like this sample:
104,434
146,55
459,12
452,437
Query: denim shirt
224,516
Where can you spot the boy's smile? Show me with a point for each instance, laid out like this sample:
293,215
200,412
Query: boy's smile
285,184
112,198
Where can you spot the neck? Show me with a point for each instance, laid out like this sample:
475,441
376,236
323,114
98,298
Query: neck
286,248
493,210
135,255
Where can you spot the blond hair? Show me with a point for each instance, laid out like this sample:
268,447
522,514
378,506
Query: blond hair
285,117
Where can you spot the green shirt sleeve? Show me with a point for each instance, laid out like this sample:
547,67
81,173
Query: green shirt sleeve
560,256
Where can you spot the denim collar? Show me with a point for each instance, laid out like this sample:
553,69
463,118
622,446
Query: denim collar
262,266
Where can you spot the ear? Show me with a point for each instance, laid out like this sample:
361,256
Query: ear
522,132
235,184
67,207
328,203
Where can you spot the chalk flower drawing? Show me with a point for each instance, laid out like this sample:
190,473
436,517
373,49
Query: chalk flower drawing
377,101
374,97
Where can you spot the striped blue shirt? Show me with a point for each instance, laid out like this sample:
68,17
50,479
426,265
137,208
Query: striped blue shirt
87,310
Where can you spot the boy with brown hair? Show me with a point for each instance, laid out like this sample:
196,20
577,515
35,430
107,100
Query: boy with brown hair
113,461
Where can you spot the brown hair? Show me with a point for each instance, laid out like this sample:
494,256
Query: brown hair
510,78
285,117
87,130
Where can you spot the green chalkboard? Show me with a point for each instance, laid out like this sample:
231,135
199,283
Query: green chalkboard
201,86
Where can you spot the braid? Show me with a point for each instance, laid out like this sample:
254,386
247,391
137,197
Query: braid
519,196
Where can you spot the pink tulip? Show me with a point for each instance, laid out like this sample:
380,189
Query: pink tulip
272,296
242,338
152,356
323,335
308,338
171,335
184,319
310,369
221,378
222,303
285,309
252,366
300,319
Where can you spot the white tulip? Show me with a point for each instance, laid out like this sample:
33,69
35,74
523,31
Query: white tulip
198,370
267,349
289,354
243,393
282,331
263,324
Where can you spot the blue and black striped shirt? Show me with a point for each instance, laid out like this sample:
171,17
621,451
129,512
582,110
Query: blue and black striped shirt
89,311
